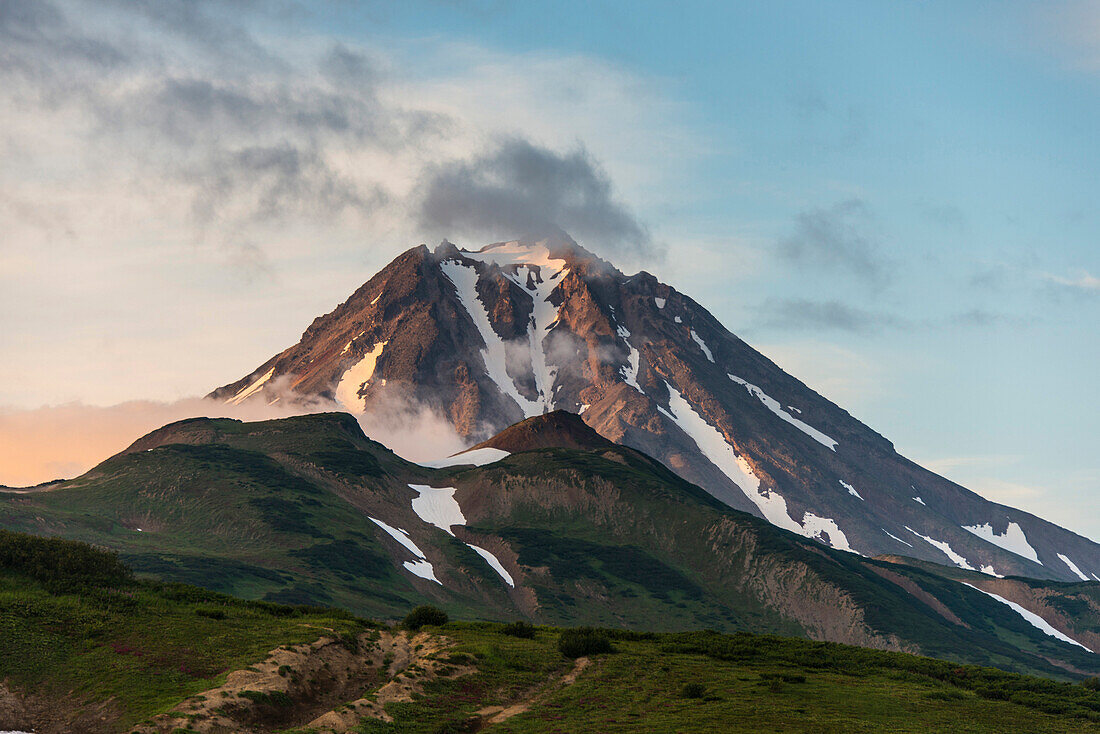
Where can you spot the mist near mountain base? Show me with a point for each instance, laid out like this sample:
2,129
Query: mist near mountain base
64,441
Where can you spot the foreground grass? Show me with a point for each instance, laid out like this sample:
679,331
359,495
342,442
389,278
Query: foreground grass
706,682
75,628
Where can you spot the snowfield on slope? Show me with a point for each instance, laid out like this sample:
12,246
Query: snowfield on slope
1034,619
493,354
771,504
702,345
474,457
1012,539
437,506
774,406
1073,567
945,547
420,567
247,392
532,269
347,391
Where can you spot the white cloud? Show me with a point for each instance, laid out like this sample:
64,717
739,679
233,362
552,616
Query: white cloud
1085,281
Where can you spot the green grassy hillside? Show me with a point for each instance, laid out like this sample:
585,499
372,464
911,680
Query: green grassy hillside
280,511
87,647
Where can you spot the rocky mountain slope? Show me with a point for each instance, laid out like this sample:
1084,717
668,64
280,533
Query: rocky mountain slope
517,329
307,510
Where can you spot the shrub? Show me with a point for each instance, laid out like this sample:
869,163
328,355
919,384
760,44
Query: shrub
274,698
459,726
583,641
210,613
61,565
1093,684
521,629
693,690
425,615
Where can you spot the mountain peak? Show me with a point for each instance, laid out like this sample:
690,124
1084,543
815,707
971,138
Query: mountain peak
556,429
485,338
551,253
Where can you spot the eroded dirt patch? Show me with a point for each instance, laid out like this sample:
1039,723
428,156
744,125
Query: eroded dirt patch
329,685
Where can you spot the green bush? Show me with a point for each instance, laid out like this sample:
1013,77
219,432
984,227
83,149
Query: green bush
425,615
210,613
61,565
693,690
521,629
583,641
459,726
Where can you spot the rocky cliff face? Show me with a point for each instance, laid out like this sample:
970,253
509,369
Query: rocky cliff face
518,329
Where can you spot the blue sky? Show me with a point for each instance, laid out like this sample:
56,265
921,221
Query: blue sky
895,201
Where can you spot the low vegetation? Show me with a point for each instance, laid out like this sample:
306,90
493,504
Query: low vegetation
78,630
425,615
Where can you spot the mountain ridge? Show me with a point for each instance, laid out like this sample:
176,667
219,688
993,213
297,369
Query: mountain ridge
307,510
487,338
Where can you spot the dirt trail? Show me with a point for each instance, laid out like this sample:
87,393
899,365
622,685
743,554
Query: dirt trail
498,714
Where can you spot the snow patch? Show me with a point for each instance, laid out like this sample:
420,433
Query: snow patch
677,319
990,571
246,392
851,490
918,499
817,527
421,566
584,407
1012,539
473,457
629,371
713,445
702,345
347,392
659,301
945,547
533,269
437,506
1036,621
1073,567
495,563
896,538
774,406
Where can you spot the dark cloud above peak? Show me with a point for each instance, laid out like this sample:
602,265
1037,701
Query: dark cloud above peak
518,187
841,238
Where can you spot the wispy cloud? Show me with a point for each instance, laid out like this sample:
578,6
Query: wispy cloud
798,314
1083,282
840,237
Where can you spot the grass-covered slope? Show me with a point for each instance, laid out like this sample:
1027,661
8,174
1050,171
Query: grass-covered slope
284,511
83,641
88,648
706,682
